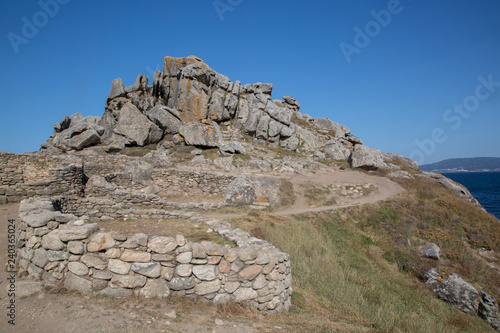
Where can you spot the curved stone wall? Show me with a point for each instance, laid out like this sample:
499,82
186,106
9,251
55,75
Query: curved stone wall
60,249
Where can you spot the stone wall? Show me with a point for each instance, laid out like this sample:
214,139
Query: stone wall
60,249
29,175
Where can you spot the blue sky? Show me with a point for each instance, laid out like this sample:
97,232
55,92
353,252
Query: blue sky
391,71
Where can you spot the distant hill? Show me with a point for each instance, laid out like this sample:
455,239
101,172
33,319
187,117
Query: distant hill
476,164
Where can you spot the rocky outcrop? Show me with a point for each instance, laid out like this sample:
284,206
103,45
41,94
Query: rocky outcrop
247,190
188,102
457,292
455,187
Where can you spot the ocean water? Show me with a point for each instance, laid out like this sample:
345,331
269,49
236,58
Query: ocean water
484,186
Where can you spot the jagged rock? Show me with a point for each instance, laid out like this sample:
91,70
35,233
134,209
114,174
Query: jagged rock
117,89
454,290
292,101
488,310
204,134
167,119
327,124
279,113
136,127
366,158
336,150
430,250
353,139
216,110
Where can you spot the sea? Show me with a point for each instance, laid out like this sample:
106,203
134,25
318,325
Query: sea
484,186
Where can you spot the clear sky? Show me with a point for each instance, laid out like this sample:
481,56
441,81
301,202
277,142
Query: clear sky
415,77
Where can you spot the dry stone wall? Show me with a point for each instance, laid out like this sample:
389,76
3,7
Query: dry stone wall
25,176
59,248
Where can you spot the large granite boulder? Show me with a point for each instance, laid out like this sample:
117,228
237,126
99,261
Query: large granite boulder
203,134
136,127
166,118
366,158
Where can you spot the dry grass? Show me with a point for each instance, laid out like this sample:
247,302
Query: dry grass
358,269
193,231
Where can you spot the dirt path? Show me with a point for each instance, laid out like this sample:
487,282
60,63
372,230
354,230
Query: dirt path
385,188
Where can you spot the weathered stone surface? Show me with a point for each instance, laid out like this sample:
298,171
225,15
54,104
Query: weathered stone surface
51,241
247,254
155,288
78,268
117,89
454,290
204,273
279,113
136,127
70,233
199,251
94,261
129,281
249,273
102,274
184,270
204,134
231,286
40,219
205,288
241,191
119,267
135,256
232,147
57,255
488,310
75,282
366,158
166,118
162,245
244,294
291,143
181,283
335,150
40,258
76,247
99,242
185,257
150,269
430,250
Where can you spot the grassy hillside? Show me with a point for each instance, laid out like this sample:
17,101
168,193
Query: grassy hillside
358,269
